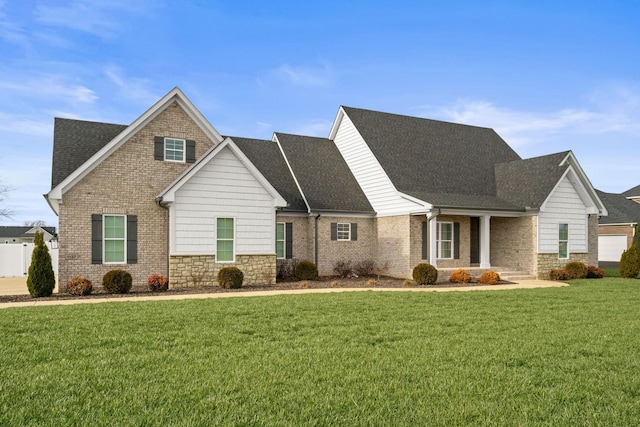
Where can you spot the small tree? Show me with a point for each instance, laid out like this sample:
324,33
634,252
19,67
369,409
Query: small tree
630,263
636,236
41,279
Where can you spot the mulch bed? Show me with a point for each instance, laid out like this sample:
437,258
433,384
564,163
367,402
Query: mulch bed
323,282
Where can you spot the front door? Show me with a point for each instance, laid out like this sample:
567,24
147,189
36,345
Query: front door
474,256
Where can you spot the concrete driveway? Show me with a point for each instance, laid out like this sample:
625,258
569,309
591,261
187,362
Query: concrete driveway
16,286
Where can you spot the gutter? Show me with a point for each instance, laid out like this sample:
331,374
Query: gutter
159,203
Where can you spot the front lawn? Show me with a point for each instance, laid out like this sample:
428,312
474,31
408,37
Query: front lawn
557,356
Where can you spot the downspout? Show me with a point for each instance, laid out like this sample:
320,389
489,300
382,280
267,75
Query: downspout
159,202
316,239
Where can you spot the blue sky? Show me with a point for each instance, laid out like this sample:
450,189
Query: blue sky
548,76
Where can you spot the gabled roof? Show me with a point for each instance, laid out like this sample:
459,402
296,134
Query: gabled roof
268,158
438,162
325,180
23,231
528,182
632,192
621,210
175,95
75,141
168,194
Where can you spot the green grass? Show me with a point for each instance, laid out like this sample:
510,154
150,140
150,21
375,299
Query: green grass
611,272
559,356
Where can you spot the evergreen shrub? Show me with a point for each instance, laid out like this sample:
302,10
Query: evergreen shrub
230,278
117,282
630,263
575,270
41,279
306,270
425,274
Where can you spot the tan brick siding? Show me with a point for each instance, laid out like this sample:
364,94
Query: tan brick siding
330,251
202,270
127,182
513,243
593,240
394,245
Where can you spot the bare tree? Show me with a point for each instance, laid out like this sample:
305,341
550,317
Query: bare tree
4,212
36,223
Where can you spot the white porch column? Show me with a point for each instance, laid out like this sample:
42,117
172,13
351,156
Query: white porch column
485,241
433,244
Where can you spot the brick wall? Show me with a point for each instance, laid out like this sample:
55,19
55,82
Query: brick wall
330,251
465,242
127,182
513,243
303,236
593,240
202,270
394,244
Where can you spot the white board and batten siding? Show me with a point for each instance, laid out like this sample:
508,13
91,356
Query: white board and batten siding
223,188
373,180
564,206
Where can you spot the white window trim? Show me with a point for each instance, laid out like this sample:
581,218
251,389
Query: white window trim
284,240
348,231
560,241
233,240
439,239
104,239
184,150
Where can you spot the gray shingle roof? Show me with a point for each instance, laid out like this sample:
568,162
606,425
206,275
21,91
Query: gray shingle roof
323,174
528,182
632,192
75,141
20,231
621,210
266,156
438,162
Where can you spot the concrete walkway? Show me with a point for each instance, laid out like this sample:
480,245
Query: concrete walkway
525,284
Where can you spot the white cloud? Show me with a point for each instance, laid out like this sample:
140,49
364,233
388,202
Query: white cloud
51,86
608,111
319,127
25,125
305,76
131,88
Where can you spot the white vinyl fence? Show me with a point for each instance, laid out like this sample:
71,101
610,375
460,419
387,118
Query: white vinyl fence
15,258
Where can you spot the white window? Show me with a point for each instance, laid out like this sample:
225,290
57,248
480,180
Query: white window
174,149
114,242
225,240
281,237
563,241
344,231
444,239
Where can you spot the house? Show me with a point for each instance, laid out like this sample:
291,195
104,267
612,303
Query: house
616,231
168,194
20,234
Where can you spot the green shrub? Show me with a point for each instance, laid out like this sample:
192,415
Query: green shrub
489,278
79,286
558,275
158,283
230,278
41,279
630,263
594,272
575,270
460,276
425,274
117,282
306,270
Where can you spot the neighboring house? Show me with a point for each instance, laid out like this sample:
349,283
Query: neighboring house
19,234
168,194
616,231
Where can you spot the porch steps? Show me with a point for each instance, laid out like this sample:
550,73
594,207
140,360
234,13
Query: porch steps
515,276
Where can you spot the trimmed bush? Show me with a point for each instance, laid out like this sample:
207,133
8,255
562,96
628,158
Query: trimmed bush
489,278
79,286
575,270
460,276
425,274
41,279
158,283
365,268
306,270
594,272
342,267
117,282
230,278
558,275
630,263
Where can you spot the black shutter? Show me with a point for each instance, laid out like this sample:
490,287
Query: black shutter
456,240
288,242
354,231
158,147
334,231
132,239
96,239
425,240
191,151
